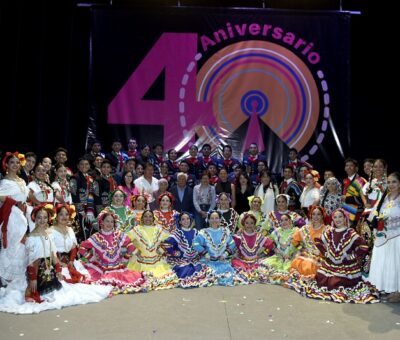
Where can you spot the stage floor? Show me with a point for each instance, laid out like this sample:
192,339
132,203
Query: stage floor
245,312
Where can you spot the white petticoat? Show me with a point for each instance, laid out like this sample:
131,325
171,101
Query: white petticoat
384,272
12,298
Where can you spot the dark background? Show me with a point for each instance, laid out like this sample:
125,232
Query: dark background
45,74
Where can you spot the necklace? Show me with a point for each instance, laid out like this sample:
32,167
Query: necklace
44,188
19,181
44,239
64,232
391,200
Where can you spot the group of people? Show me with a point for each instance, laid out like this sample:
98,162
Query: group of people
116,231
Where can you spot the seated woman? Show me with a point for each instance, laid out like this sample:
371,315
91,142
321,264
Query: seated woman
229,216
147,237
339,276
139,205
165,215
183,258
126,219
282,201
44,269
66,244
255,204
105,255
45,288
279,264
250,247
216,245
306,262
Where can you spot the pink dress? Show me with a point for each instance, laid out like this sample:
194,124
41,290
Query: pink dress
105,255
250,248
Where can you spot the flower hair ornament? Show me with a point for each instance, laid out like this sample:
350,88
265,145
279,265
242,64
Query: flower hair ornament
313,173
218,198
290,220
318,207
178,218
345,214
69,207
252,198
107,212
112,193
16,154
209,215
169,195
145,195
49,208
245,217
144,212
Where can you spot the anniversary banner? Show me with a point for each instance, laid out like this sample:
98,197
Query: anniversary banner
179,76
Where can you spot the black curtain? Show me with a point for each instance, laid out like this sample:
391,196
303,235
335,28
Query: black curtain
44,76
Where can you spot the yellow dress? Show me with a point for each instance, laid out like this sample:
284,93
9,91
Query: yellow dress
149,256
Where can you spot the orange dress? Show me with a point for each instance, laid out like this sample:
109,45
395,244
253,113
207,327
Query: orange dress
306,262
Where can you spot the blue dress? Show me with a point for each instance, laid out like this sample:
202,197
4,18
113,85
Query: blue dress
213,243
185,260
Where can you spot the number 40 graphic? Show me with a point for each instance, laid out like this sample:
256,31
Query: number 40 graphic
179,113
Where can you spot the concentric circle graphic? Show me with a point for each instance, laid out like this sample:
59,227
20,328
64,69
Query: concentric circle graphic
254,102
262,78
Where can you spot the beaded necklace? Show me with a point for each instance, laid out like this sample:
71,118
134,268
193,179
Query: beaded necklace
19,181
65,234
65,187
44,188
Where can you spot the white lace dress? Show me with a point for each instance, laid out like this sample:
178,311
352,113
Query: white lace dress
13,260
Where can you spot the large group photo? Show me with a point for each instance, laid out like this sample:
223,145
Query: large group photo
185,147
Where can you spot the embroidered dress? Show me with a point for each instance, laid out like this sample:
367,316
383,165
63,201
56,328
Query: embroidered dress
274,218
149,258
137,216
55,294
67,249
126,216
385,263
250,247
185,260
212,244
229,219
339,277
279,264
374,190
306,261
105,255
64,189
13,260
261,223
166,219
43,193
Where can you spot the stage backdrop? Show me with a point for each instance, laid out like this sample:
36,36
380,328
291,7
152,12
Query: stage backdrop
180,76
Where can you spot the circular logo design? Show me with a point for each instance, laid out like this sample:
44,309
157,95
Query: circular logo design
262,80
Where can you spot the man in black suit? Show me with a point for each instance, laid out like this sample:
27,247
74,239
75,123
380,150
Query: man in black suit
183,194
